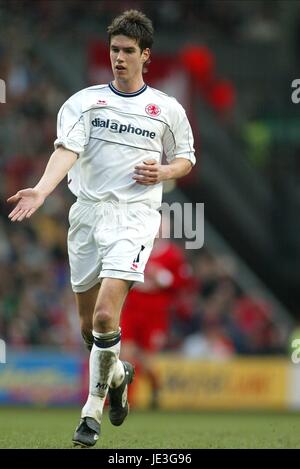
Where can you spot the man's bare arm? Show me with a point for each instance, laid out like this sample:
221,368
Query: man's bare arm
29,200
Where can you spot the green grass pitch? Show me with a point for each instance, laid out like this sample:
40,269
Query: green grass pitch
53,428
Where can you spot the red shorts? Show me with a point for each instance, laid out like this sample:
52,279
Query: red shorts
145,320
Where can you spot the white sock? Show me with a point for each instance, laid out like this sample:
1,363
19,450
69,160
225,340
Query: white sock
118,376
103,358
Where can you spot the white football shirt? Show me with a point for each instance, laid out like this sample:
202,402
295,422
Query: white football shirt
112,132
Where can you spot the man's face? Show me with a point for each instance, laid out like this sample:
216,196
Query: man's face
126,58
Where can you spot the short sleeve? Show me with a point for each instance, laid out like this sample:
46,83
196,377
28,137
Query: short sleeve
178,140
70,126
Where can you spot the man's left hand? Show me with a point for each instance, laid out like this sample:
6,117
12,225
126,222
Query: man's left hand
150,172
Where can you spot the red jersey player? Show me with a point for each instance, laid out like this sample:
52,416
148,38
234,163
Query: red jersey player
146,318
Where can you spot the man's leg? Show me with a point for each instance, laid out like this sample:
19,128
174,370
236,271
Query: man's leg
104,357
142,359
86,302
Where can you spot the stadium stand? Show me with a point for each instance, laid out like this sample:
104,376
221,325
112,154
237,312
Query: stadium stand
37,52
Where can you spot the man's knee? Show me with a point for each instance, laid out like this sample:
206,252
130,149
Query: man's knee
103,320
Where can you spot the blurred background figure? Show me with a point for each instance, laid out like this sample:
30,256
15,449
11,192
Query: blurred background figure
151,307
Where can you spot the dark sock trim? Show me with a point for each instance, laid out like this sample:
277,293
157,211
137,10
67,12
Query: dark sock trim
106,342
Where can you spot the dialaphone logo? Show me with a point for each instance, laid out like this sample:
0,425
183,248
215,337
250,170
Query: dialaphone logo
2,351
117,127
2,91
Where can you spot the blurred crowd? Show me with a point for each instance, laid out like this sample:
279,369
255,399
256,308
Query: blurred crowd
36,304
211,316
230,19
225,320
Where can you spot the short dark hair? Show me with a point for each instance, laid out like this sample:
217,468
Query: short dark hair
133,24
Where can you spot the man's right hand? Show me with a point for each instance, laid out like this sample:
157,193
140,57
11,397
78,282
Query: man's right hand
28,201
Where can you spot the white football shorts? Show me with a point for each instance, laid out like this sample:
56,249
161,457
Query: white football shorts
109,239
